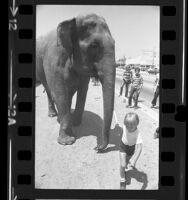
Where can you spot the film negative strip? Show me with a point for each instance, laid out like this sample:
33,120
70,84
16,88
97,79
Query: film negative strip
33,172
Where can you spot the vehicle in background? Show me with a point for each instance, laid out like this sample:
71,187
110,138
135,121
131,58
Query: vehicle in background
143,68
153,70
121,66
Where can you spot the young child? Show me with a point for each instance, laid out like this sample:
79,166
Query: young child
130,145
136,86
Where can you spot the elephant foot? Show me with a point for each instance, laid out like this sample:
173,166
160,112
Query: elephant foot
65,139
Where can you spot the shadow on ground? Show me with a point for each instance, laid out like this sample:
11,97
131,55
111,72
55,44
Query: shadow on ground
138,175
92,125
141,101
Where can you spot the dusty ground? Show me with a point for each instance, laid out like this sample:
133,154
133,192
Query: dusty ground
78,166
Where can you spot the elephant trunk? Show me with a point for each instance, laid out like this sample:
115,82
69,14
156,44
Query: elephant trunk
108,88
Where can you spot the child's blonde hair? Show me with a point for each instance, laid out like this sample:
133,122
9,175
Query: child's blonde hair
131,117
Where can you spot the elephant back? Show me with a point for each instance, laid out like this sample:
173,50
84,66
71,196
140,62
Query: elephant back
44,42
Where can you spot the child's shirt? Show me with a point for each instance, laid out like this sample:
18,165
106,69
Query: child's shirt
137,81
127,75
131,138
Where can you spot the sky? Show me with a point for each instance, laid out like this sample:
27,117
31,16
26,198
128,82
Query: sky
134,28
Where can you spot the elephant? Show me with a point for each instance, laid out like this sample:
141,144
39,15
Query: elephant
66,59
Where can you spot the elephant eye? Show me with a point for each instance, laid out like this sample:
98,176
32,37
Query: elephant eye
94,45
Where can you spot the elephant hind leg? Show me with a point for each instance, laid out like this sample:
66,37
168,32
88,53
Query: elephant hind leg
51,106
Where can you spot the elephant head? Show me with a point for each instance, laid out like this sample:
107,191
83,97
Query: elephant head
89,44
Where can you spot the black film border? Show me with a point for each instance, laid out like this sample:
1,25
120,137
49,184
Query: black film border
21,132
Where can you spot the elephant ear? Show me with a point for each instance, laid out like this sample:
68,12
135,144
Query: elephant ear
65,32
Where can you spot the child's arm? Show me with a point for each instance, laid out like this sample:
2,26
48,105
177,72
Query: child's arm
137,153
141,85
131,74
132,79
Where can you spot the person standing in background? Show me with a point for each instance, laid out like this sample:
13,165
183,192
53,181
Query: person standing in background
156,93
127,75
136,86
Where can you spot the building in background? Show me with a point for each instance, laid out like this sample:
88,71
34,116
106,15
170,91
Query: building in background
121,62
146,60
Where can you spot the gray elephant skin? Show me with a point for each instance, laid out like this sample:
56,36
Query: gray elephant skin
66,58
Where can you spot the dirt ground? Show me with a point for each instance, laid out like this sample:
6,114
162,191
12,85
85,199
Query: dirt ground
78,166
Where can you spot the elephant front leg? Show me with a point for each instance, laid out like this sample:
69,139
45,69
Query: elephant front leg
65,132
80,102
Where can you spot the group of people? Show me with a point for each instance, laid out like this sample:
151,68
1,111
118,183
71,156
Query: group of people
133,85
131,140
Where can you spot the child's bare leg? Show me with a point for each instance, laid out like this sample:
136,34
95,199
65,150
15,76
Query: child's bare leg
123,165
124,159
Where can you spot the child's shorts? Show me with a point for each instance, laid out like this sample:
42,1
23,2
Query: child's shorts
129,150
